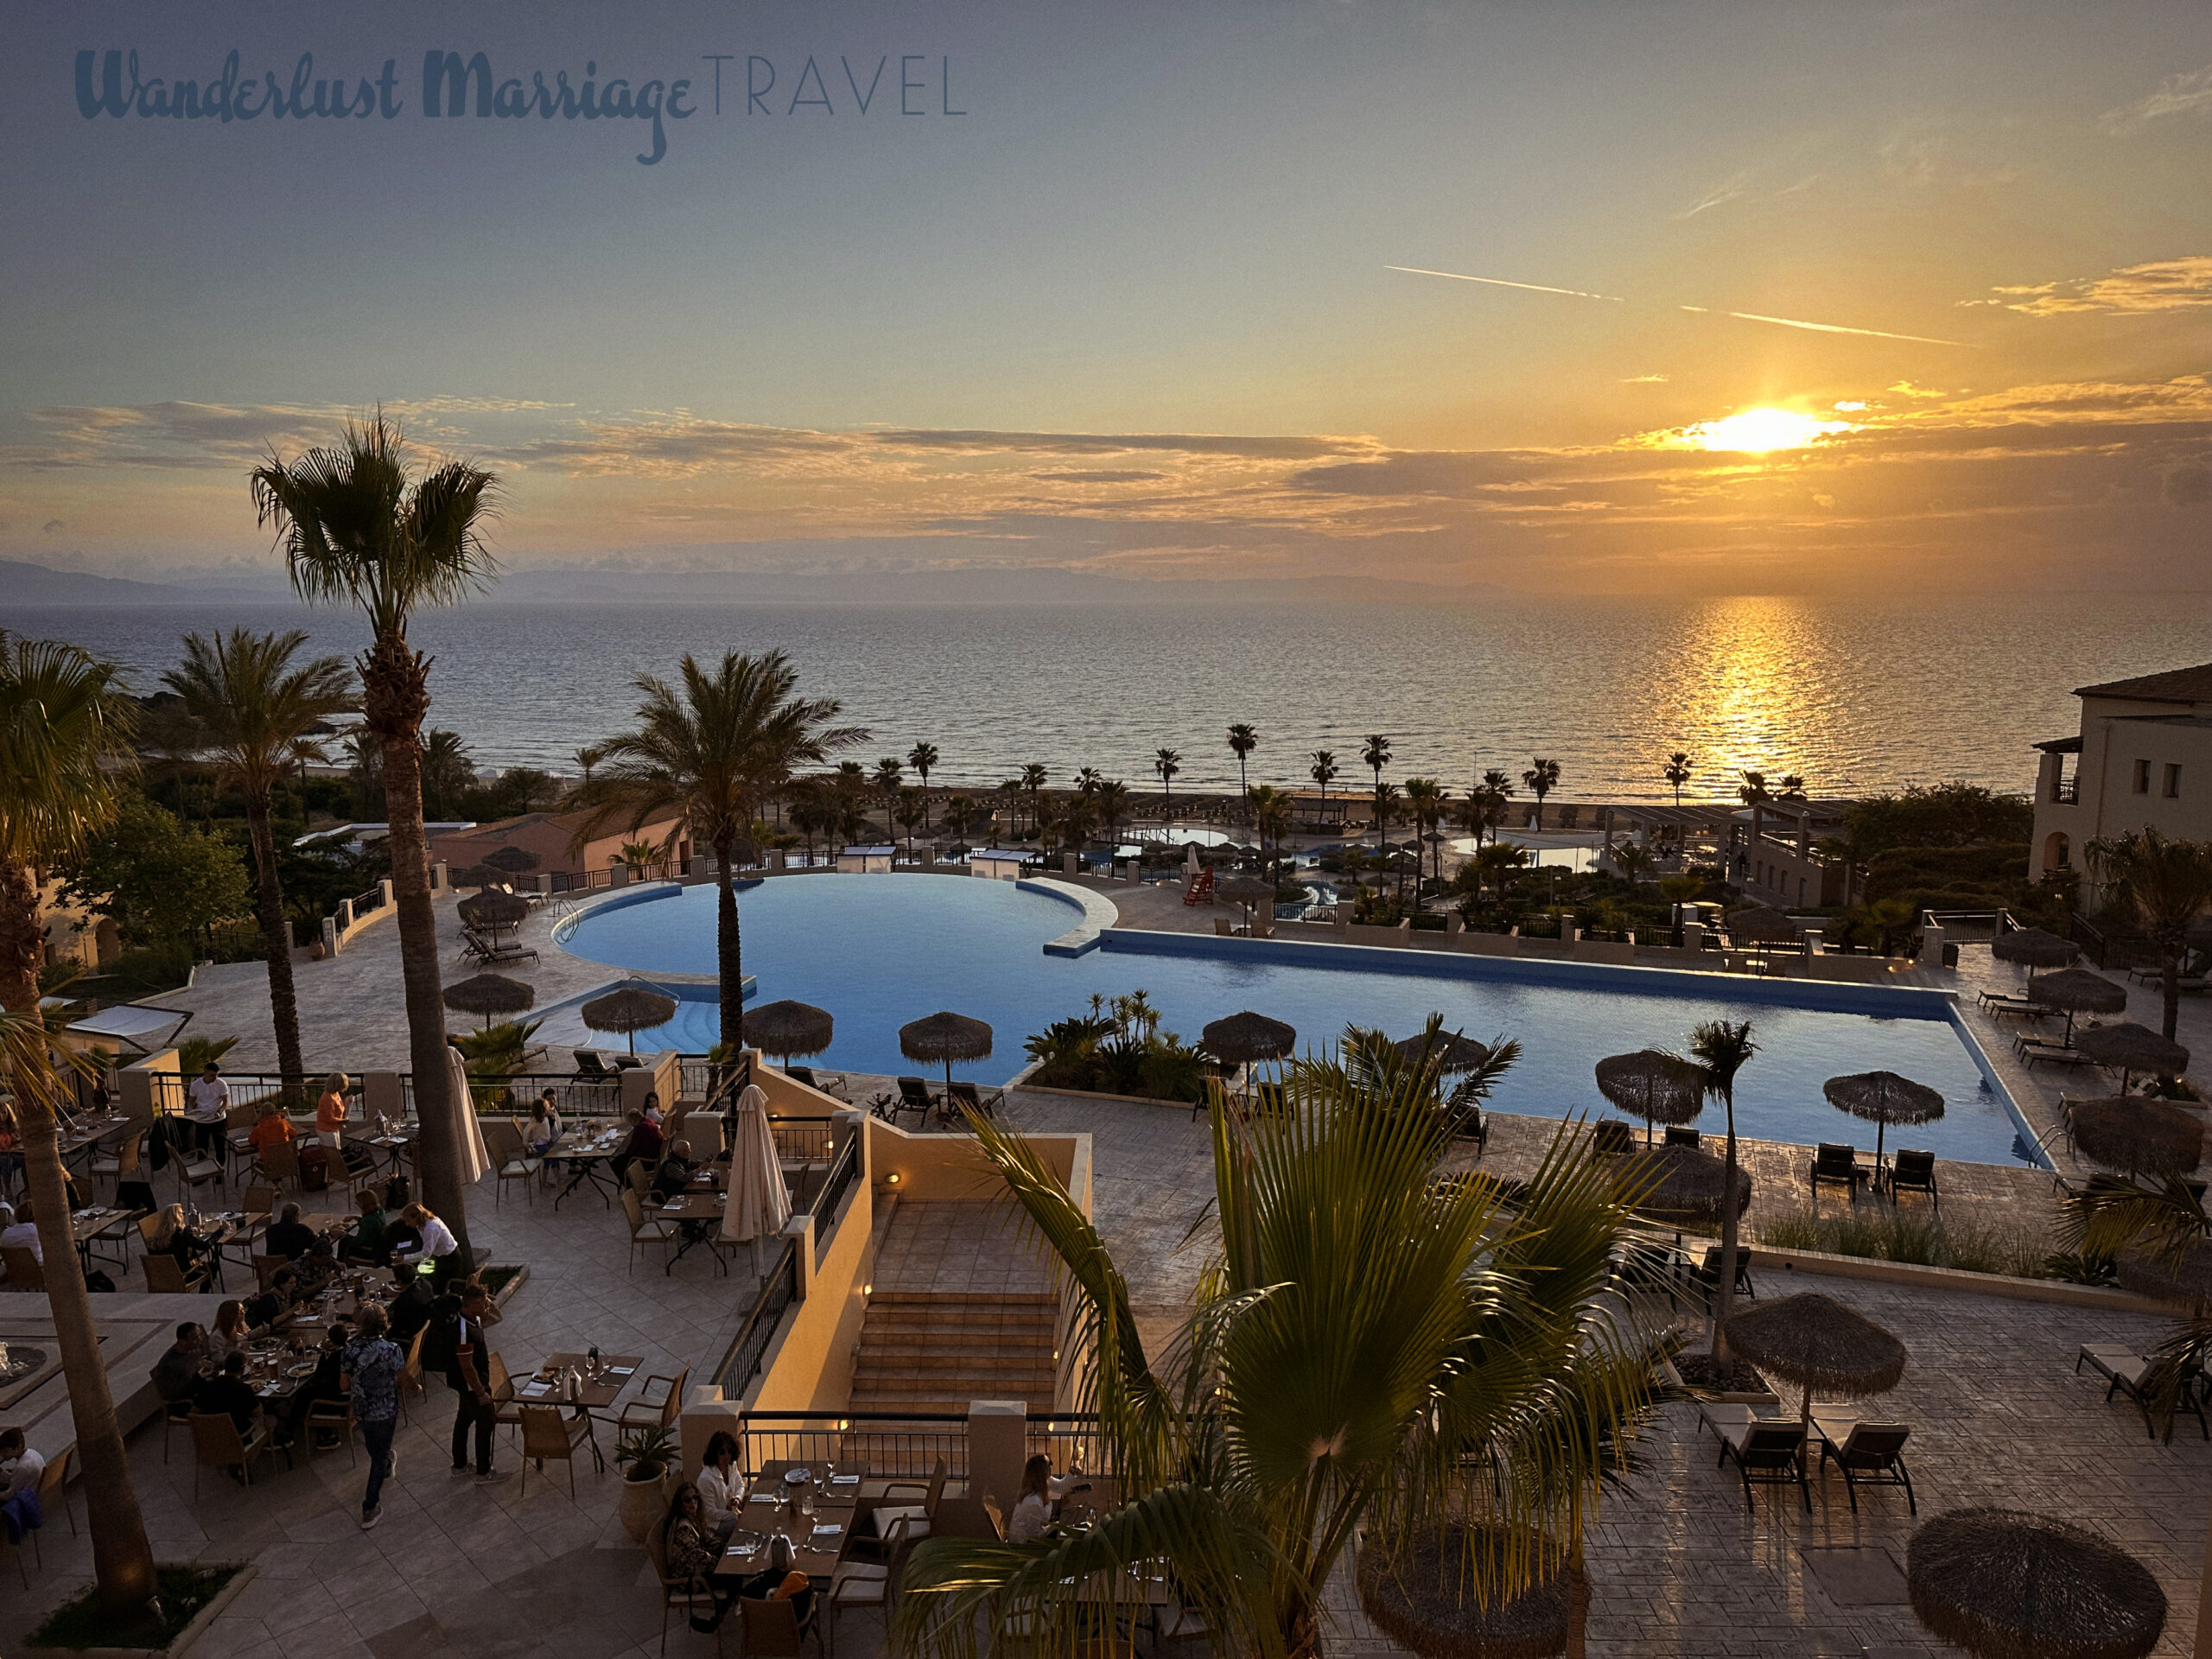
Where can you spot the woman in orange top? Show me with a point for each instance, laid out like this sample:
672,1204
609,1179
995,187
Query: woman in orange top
330,1110
274,1127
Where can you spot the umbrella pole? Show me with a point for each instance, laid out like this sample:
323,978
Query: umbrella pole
1805,1411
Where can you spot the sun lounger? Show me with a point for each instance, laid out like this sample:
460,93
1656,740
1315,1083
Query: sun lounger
914,1097
2149,1381
1682,1134
1913,1171
828,1083
2051,1053
1765,1453
1869,1451
984,1102
1612,1138
1838,1164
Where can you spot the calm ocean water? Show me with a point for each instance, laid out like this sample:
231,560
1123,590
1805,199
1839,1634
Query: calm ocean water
1856,695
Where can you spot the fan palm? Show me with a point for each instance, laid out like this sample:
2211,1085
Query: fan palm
1721,1048
2168,884
1372,1350
1168,763
711,752
1323,770
355,530
1374,754
1032,779
257,711
1425,799
64,727
1242,740
1754,793
889,775
922,759
1678,772
1111,797
1542,777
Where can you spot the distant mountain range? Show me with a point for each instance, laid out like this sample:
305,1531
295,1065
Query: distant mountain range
27,585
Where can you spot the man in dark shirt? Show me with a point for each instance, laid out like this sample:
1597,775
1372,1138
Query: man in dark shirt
469,1372
288,1236
411,1309
176,1373
227,1391
263,1311
645,1143
675,1172
326,1383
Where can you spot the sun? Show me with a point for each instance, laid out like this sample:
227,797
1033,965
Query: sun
1761,431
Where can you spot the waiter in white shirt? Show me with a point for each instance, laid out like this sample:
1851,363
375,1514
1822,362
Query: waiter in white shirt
208,1098
433,1244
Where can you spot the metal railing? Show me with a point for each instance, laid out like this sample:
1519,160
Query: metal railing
748,1350
903,1446
839,1182
363,902
576,1094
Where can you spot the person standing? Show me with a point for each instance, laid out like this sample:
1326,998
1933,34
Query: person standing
371,1367
208,1098
433,1242
330,1112
468,1372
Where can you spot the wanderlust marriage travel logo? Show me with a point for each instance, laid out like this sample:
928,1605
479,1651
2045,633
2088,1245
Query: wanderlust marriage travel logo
112,84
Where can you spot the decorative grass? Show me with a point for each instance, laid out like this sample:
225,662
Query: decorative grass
81,1622
1919,1240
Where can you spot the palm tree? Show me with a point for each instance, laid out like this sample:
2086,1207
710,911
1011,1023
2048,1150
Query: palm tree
1087,780
1113,800
811,811
1634,862
959,815
1721,1048
1677,772
2168,885
913,808
447,771
1011,788
1270,810
1542,777
257,711
355,530
1370,1355
1499,861
1168,763
1375,755
710,754
1242,740
889,776
922,759
1032,781
1793,787
1424,799
65,740
588,757
1754,793
1323,769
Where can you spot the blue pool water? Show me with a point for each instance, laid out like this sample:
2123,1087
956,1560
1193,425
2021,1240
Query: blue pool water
879,951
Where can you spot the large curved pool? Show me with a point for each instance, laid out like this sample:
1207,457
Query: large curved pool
879,951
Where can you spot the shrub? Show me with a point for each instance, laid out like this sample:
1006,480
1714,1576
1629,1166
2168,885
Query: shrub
1919,1240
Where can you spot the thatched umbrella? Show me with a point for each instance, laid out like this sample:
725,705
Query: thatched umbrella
1243,1037
517,861
630,1010
2131,1133
2186,1278
1761,922
1421,1598
1883,1098
2005,1584
1447,1053
946,1036
1246,891
489,994
481,876
494,910
1816,1342
1657,1087
787,1029
2127,1047
1680,1183
2077,990
2035,948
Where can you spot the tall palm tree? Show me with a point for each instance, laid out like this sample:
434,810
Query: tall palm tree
1678,772
356,530
1011,788
1375,755
910,812
811,811
959,815
2168,885
1753,793
588,757
1270,810
1370,1357
1168,763
1793,787
1323,769
711,752
1721,1048
1542,777
1425,799
65,739
922,759
888,777
1499,861
256,711
1242,740
1087,779
1112,797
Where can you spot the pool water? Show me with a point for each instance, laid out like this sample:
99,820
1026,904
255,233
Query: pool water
880,950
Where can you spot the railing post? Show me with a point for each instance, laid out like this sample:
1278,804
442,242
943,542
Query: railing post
384,890
997,1446
344,916
801,1228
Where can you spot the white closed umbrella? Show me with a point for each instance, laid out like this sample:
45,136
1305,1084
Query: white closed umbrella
475,1158
758,1204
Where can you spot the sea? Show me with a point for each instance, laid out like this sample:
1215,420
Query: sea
1854,694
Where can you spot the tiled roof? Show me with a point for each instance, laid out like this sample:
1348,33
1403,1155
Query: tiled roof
2175,686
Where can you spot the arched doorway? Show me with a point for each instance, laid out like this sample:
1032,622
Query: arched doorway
2057,851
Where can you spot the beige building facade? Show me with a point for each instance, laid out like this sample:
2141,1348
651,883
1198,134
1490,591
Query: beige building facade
2142,760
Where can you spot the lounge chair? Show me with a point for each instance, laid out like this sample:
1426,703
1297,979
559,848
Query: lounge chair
827,1083
1612,1137
1869,1451
1682,1134
1915,1172
983,1101
1839,1164
1271,1098
1705,1278
914,1097
1765,1453
2053,1053
590,1068
2149,1381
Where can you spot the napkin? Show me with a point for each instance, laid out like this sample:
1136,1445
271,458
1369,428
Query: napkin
828,1535
844,1480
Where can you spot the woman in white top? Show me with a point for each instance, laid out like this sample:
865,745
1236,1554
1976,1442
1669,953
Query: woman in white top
545,1127
1041,1490
721,1488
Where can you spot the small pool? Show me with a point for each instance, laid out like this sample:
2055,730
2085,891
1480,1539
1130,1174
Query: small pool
879,951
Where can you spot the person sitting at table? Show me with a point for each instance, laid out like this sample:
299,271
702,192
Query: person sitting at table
230,1332
317,1268
11,1150
645,1143
287,1236
365,1239
21,1470
19,1232
722,1488
692,1551
412,1309
433,1242
176,1373
273,1127
272,1307
654,1116
173,1238
1041,1490
227,1393
330,1111
326,1383
545,1127
675,1172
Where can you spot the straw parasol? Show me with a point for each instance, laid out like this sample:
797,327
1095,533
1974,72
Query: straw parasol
785,1029
1680,1183
632,1008
946,1036
1246,891
1761,922
1447,1054
1883,1098
2131,1133
516,861
2005,1584
482,875
489,994
494,910
1243,1037
2077,990
1657,1087
2034,947
1421,1600
2186,1278
1816,1342
2128,1047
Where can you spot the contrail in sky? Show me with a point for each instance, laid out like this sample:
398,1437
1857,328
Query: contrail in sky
1746,316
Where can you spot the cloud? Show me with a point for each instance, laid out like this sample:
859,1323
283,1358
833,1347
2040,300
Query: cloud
1906,389
2183,94
1100,476
55,526
2190,485
1735,184
2157,285
1644,381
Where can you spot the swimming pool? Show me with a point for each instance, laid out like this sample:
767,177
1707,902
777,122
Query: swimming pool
879,951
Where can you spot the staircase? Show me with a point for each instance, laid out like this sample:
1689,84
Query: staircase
931,1352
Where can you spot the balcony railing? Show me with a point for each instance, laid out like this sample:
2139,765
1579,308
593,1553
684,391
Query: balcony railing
748,1350
2067,792
906,1444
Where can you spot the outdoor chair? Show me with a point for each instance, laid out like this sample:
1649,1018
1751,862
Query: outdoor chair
1765,1454
333,1417
772,1630
53,1493
1465,1111
547,1433
510,1160
506,1410
589,1067
1271,1099
1612,1138
1682,1134
2033,1053
628,1063
914,1097
860,1586
827,1083
646,1412
1915,1172
216,1440
642,1231
2150,1384
895,1519
690,1595
260,1200
1838,1164
1706,1275
165,1278
279,1162
24,1272
266,1267
1870,1452
195,1168
982,1101
121,1165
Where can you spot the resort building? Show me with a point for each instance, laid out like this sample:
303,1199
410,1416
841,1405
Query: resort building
1784,865
552,837
2142,760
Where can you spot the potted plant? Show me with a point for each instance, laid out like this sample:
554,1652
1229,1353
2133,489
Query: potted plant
648,1457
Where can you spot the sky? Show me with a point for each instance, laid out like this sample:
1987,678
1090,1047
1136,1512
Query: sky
1111,289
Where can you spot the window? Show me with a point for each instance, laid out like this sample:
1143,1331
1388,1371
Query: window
2142,777
2173,781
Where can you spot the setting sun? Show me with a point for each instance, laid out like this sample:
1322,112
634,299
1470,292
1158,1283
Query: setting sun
1759,431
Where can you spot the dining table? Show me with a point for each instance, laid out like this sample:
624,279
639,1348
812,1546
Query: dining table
597,1387
84,1134
696,1215
99,1221
586,1154
812,1503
